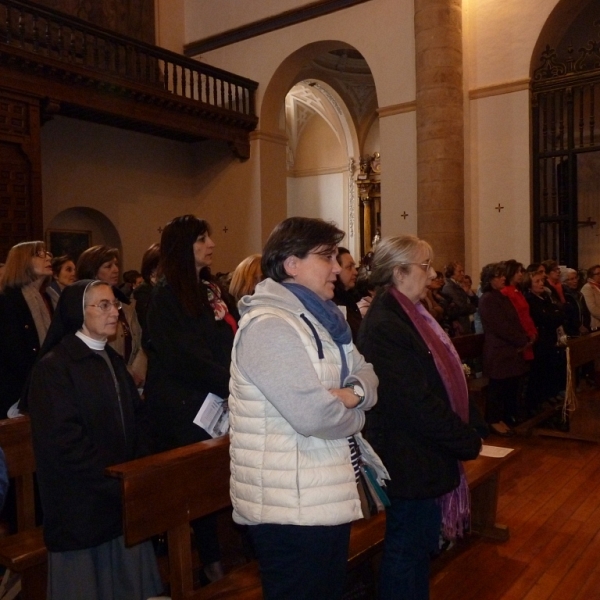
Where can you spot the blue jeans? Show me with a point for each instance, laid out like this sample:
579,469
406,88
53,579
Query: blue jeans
301,562
411,534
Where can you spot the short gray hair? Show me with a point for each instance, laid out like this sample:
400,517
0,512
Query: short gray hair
564,274
395,252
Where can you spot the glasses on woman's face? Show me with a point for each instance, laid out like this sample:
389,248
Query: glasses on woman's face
43,254
106,305
425,266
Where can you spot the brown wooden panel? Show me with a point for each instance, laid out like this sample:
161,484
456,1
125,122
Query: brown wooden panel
584,349
162,490
13,117
15,197
469,346
134,18
15,440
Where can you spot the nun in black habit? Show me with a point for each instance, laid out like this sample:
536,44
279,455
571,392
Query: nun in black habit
86,415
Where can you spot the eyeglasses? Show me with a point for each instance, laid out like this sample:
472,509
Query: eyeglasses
425,266
43,254
105,305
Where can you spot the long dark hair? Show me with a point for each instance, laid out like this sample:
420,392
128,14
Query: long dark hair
511,267
177,262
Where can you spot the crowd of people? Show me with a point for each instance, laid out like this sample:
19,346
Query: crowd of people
327,367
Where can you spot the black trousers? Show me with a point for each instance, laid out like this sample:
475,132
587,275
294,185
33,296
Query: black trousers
301,562
502,400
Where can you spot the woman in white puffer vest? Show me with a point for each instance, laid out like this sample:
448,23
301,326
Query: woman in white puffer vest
298,389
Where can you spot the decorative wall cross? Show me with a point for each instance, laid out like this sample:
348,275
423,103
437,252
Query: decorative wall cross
160,230
225,230
498,208
404,215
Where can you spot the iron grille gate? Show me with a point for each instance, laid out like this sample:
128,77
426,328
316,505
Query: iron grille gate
565,95
564,126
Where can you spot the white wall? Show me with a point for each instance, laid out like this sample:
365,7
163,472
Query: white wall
317,196
500,175
207,17
499,41
140,182
398,174
501,38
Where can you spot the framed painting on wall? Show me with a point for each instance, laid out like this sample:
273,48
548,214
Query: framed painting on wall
71,242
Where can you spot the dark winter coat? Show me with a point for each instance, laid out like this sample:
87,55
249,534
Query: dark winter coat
188,357
504,337
413,428
78,430
19,346
547,317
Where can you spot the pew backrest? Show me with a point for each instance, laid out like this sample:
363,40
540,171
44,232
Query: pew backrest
164,490
469,346
15,440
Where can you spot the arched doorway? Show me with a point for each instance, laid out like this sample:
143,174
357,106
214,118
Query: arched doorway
69,227
322,99
566,135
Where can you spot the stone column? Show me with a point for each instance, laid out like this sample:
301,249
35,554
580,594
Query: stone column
440,127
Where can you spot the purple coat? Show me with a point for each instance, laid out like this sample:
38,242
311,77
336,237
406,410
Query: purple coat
504,337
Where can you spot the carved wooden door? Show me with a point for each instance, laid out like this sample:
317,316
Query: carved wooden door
20,193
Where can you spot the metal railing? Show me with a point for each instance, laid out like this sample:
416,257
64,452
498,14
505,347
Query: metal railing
51,35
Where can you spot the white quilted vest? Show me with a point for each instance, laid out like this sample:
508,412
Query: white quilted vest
278,475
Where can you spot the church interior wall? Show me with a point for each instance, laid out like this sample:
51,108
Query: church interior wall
321,195
139,182
501,37
315,186
500,176
170,22
206,18
398,139
499,41
372,141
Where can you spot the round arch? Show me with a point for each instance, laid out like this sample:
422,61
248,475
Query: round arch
559,21
272,136
85,219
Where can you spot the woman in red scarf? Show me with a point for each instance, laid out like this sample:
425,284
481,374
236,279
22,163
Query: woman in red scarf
512,290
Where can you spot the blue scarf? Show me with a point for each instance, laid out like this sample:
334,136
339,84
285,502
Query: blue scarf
328,315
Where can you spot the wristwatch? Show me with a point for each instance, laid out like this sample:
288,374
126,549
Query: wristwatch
357,391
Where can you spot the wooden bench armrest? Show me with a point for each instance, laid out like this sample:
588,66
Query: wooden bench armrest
23,550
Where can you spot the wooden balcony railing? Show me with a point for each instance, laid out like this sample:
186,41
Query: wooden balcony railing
41,40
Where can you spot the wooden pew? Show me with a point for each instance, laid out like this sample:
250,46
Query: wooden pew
24,552
164,492
583,407
469,348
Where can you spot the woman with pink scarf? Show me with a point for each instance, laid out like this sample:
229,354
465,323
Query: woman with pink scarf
420,426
